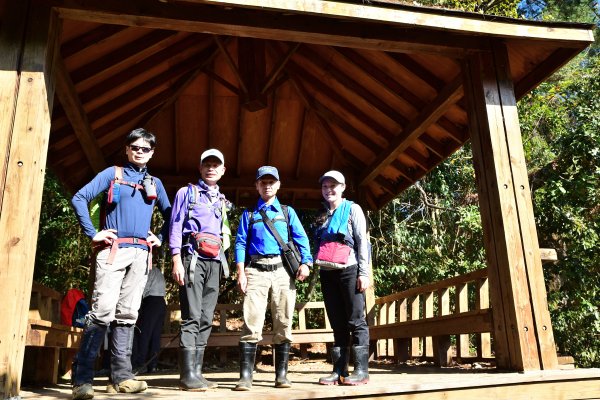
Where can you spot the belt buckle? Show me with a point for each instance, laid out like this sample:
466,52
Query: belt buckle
135,240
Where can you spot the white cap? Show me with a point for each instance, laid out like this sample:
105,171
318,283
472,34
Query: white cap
335,175
212,153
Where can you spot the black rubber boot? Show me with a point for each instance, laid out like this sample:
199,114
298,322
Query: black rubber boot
339,359
188,380
247,357
282,357
360,375
198,364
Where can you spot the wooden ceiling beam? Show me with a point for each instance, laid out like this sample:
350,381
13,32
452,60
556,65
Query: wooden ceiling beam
326,116
252,66
224,82
432,144
268,24
446,21
429,114
134,94
329,135
400,91
419,71
277,70
111,61
67,95
185,45
322,87
89,39
231,64
385,80
353,85
208,54
346,127
544,69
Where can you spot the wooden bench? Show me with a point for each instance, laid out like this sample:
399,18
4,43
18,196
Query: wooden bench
50,346
228,321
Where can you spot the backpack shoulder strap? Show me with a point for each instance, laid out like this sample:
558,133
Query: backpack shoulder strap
286,215
118,173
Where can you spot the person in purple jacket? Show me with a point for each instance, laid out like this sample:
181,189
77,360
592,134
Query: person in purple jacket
198,237
122,263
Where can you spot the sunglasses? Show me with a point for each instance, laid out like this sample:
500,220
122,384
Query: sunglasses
144,150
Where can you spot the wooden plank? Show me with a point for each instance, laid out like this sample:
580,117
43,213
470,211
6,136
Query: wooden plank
468,277
417,16
252,72
461,305
482,301
294,27
442,353
67,95
428,115
428,313
90,38
469,322
415,341
542,325
26,139
514,339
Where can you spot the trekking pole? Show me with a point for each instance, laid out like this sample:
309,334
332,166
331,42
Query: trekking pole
145,365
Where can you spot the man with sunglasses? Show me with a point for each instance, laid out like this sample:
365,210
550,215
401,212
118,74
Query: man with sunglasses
198,236
122,263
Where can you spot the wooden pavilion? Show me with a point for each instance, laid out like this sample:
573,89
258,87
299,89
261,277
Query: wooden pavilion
381,91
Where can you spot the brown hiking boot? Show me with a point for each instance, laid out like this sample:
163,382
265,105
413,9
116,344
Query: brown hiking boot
83,392
131,386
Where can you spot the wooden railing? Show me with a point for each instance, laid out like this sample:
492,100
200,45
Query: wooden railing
228,322
420,322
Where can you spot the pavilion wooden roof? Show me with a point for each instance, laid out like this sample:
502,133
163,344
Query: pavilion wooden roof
374,90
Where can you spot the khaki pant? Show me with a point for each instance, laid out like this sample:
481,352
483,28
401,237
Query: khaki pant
283,301
119,286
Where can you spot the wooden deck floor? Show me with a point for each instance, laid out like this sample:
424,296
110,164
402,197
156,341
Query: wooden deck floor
387,382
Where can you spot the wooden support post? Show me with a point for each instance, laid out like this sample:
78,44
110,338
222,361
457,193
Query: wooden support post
523,338
28,35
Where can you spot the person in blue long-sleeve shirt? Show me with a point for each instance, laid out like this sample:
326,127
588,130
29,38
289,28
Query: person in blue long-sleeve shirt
260,271
122,263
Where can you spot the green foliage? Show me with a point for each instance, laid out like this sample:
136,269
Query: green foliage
62,259
561,119
431,232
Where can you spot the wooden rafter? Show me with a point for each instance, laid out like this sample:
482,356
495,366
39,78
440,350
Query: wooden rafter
326,90
397,89
329,136
93,37
187,44
134,94
431,113
231,64
418,70
354,85
136,49
67,95
208,54
275,73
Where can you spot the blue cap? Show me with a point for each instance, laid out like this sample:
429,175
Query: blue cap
267,170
